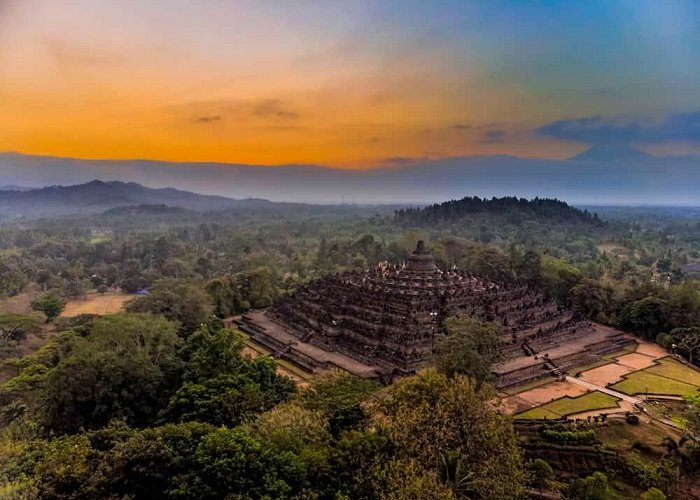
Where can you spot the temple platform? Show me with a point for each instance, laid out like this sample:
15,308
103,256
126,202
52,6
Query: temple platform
306,356
567,353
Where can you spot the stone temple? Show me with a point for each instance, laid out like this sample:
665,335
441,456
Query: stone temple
382,323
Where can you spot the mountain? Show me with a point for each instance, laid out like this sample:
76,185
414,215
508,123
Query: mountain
620,179
98,196
612,152
12,187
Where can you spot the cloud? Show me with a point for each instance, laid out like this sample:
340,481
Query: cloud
400,160
274,108
493,136
270,113
683,127
207,119
476,126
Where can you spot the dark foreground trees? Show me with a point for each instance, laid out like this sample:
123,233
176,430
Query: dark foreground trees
426,437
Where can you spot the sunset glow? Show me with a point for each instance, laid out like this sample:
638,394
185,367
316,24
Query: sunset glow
346,84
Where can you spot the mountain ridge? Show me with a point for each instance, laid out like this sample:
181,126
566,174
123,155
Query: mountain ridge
652,180
97,196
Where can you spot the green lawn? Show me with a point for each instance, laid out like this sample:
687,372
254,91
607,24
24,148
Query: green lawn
568,406
642,382
538,413
670,368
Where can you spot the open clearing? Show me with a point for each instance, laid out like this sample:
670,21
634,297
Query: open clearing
97,303
565,406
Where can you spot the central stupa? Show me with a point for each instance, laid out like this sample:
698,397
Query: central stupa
421,261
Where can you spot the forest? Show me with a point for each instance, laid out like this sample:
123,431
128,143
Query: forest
161,401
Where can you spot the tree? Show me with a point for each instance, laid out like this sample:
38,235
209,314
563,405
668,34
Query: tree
234,463
688,339
647,315
594,487
50,304
147,463
430,414
542,474
653,494
222,387
15,327
527,267
558,277
470,348
125,368
178,300
591,299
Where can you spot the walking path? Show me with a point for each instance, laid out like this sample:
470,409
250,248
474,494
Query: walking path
595,387
638,402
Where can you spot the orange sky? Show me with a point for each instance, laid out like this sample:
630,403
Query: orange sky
345,84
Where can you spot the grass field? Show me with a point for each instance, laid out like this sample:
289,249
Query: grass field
670,368
568,406
643,382
95,303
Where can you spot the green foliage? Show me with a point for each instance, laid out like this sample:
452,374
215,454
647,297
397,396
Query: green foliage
241,291
15,327
334,393
469,348
123,369
220,386
653,494
355,461
183,301
147,464
558,277
592,300
646,316
430,414
572,438
687,340
50,304
594,487
232,463
541,474
551,210
648,475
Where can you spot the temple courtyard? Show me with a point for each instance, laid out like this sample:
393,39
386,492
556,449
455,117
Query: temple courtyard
620,382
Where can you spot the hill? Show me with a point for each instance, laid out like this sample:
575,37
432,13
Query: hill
98,196
545,210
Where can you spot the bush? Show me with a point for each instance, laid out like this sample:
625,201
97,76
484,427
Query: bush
632,419
571,438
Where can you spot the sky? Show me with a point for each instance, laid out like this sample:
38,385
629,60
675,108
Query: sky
348,84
